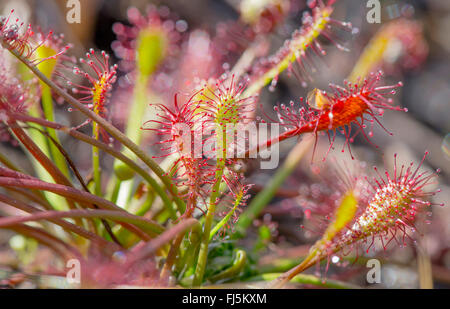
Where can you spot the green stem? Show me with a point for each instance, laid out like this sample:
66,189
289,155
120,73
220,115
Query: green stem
118,216
133,128
186,266
8,163
47,107
235,269
60,247
203,254
279,265
260,201
79,196
225,219
43,144
96,163
113,190
134,132
297,45
171,257
152,246
137,113
147,205
220,166
35,195
306,279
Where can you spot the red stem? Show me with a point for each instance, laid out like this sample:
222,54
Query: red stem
74,194
64,224
56,174
268,143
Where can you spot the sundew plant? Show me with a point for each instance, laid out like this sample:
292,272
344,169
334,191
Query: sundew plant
255,146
